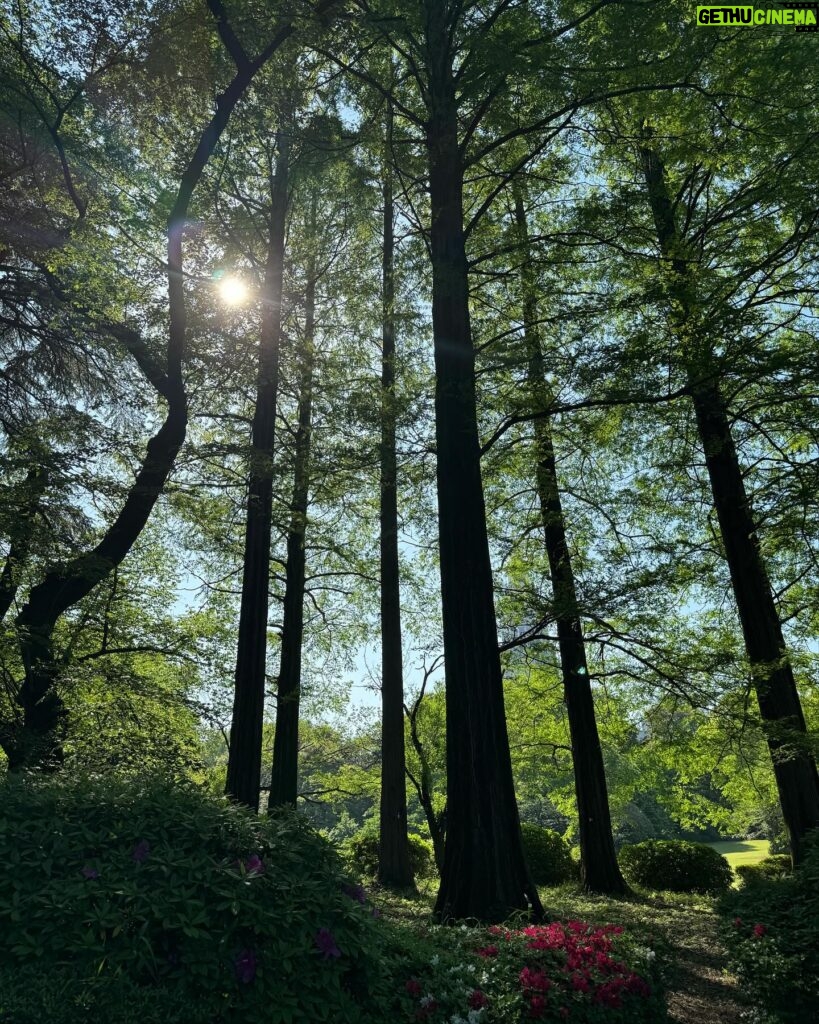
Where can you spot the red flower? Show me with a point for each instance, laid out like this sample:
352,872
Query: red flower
737,922
534,980
413,987
477,1000
537,1006
759,930
487,951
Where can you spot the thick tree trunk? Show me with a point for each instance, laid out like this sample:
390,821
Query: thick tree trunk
793,764
485,875
245,750
284,777
599,869
393,848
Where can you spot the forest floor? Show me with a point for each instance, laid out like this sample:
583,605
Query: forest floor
683,928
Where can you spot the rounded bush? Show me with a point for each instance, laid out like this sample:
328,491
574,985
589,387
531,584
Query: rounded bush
360,851
676,865
776,866
548,855
134,902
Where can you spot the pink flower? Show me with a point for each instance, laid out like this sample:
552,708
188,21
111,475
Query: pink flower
487,951
413,987
477,1000
759,930
737,922
254,865
537,1006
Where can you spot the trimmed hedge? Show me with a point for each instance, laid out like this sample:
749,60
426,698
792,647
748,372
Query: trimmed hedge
360,852
131,902
776,866
676,865
548,855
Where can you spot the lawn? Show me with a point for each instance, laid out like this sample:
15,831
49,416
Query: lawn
742,851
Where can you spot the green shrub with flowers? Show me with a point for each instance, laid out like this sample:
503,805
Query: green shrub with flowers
569,971
676,865
126,901
772,933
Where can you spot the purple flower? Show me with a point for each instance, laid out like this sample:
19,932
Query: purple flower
245,966
254,865
140,851
89,872
355,892
326,944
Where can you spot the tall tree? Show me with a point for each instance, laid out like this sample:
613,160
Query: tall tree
245,757
793,763
598,860
393,849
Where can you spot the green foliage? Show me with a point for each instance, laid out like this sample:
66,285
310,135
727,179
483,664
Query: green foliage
776,866
676,865
134,901
360,851
772,933
548,855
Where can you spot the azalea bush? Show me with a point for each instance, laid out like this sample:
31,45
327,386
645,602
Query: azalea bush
771,930
676,865
133,901
548,855
554,972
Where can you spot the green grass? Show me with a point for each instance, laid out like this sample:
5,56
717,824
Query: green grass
742,851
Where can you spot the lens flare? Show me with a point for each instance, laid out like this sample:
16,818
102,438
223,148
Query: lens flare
233,291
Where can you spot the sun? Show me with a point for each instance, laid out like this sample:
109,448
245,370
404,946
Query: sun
233,291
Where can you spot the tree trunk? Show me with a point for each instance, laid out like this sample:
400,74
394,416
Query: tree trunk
794,767
393,847
245,750
284,778
485,875
599,870
20,536
39,740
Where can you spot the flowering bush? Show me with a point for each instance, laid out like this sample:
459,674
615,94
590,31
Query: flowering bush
772,933
554,972
125,902
676,865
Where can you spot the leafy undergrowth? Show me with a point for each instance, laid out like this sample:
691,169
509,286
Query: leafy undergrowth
674,937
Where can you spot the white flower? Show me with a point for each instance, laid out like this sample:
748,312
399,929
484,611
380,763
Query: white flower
427,999
484,978
474,1016
455,1019
435,960
650,954
463,928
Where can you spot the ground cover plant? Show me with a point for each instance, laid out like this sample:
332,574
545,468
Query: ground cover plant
771,928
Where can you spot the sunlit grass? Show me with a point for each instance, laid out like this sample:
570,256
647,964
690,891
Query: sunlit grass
742,851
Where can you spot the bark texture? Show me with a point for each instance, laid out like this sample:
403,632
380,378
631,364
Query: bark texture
484,874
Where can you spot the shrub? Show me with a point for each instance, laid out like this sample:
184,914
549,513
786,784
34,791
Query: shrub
676,865
771,867
772,933
360,852
548,855
131,901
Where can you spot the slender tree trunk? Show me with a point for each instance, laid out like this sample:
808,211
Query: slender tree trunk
485,875
284,777
245,750
393,847
423,787
793,764
599,869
